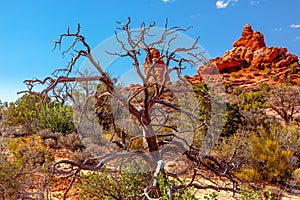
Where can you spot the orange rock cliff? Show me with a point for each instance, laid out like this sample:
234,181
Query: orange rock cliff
251,50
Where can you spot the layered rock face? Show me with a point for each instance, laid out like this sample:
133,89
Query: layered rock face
155,67
251,50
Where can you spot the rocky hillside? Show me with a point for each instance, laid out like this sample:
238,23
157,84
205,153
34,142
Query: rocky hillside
250,62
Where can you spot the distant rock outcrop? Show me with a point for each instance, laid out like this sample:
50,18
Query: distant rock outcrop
155,67
251,50
252,62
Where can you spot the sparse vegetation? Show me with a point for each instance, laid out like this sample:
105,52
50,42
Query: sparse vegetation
258,143
295,68
24,168
252,67
233,75
273,77
267,71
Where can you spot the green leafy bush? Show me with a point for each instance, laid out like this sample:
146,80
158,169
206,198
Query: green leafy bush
253,99
56,117
36,114
23,112
232,121
128,184
267,160
252,107
295,68
107,185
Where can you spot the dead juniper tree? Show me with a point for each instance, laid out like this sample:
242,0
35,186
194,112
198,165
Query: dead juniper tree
160,109
285,101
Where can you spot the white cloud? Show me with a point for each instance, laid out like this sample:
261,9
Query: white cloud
221,4
295,26
278,29
297,38
168,1
224,3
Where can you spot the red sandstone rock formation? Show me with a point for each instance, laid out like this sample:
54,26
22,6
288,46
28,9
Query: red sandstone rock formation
250,39
155,67
251,49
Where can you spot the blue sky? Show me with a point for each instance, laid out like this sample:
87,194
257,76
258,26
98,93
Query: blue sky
28,27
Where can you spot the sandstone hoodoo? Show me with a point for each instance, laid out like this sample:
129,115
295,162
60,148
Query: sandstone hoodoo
250,39
251,50
250,62
155,67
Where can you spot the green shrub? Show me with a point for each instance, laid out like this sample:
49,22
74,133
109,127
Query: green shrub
268,162
24,168
108,185
23,112
129,183
250,195
267,71
185,193
233,75
228,87
36,114
252,67
232,120
56,117
296,176
204,110
263,155
253,99
31,148
264,87
267,193
274,78
295,68
252,108
211,196
9,187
